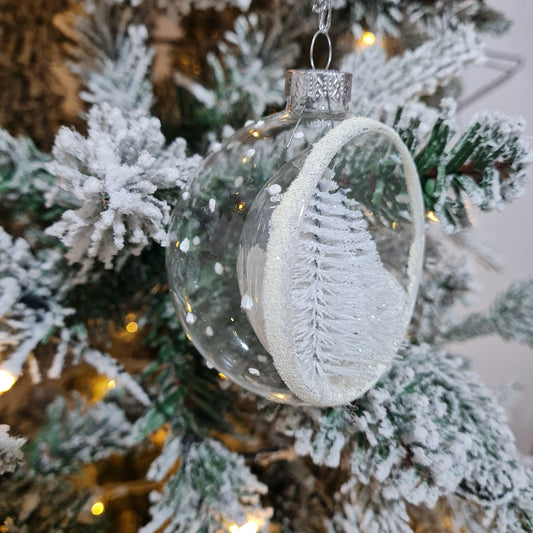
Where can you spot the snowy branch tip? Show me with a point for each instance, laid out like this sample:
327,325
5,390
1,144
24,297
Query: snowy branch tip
114,175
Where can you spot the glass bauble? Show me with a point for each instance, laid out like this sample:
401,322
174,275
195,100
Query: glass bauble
220,232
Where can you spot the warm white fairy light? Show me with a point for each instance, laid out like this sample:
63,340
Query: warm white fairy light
249,527
368,38
132,327
7,380
432,216
97,508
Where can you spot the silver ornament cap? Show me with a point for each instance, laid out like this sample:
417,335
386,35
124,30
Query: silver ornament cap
304,86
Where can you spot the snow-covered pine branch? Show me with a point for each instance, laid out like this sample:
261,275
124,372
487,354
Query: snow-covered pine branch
114,175
85,434
122,79
107,366
515,517
31,288
248,69
22,167
430,429
98,30
392,17
212,486
427,430
362,509
487,164
384,85
182,8
431,16
510,316
448,279
10,450
414,121
325,441
383,16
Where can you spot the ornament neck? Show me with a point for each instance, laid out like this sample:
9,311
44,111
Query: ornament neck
324,90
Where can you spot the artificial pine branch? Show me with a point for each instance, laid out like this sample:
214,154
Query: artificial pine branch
393,17
413,74
72,437
23,182
427,430
448,282
31,301
11,454
42,504
510,316
122,80
248,71
486,166
113,175
211,487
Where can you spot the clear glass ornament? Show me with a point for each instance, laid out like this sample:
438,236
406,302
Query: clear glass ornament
221,231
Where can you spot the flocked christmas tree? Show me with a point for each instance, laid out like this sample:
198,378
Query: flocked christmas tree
116,423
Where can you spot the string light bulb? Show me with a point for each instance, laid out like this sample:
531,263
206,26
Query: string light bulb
132,327
432,216
368,38
7,380
159,437
249,527
97,508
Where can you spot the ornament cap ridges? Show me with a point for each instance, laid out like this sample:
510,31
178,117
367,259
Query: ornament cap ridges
317,85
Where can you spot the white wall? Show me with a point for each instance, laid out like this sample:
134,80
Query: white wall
510,232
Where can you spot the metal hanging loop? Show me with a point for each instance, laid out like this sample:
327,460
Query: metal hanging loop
323,8
312,50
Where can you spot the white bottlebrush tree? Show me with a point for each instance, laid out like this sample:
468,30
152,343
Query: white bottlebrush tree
345,307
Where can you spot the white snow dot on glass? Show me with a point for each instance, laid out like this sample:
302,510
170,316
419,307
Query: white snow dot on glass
321,244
